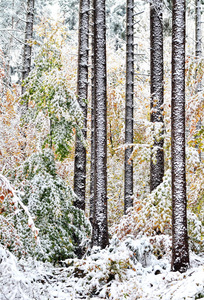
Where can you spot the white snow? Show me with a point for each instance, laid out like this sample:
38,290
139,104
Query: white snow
118,272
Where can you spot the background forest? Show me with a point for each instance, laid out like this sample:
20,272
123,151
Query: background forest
47,245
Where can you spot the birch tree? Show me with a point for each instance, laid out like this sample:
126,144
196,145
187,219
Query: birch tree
82,91
100,226
128,188
180,252
157,91
27,50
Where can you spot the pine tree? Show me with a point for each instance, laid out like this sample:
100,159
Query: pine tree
82,87
100,226
157,91
180,253
128,188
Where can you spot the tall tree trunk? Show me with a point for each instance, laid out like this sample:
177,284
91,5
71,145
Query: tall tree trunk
100,224
180,252
92,202
157,92
198,53
26,67
27,51
82,91
198,35
128,184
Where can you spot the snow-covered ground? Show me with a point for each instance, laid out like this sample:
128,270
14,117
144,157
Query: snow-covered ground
126,270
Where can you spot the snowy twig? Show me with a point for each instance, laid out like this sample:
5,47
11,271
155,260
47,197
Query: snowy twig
5,189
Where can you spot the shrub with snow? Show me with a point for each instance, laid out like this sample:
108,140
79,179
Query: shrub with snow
152,216
63,229
103,272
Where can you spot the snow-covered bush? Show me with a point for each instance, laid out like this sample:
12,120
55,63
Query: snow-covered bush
152,216
13,285
9,236
63,229
196,232
104,272
161,245
10,203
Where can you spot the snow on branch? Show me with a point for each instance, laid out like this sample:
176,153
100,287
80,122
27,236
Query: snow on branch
7,189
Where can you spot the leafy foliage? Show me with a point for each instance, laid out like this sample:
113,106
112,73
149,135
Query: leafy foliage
48,95
10,203
63,229
152,216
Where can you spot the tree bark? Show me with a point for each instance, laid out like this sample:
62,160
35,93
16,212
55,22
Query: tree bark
128,184
100,224
198,35
26,67
198,54
92,202
180,252
157,92
27,51
82,91
198,31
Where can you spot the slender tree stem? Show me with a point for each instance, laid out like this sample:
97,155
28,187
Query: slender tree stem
128,184
157,92
180,253
92,202
27,51
82,88
100,225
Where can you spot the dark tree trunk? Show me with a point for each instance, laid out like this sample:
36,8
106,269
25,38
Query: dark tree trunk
128,184
27,51
100,225
92,202
198,31
180,253
157,92
82,91
198,35
198,54
26,67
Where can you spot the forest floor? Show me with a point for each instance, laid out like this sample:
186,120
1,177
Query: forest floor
127,270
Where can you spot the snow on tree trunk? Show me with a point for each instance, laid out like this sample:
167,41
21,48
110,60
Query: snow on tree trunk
92,202
198,34
180,252
82,89
157,93
100,226
27,51
198,52
26,67
128,185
